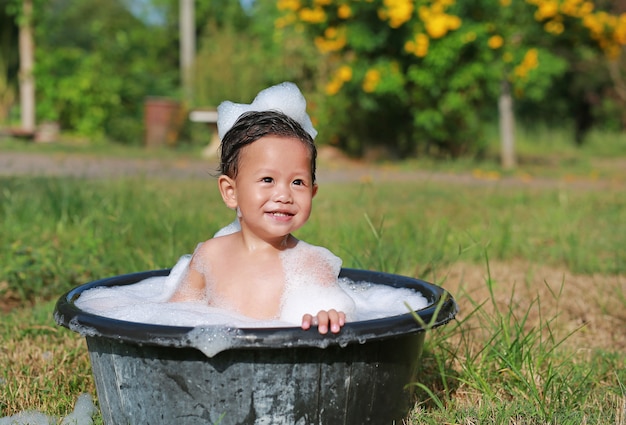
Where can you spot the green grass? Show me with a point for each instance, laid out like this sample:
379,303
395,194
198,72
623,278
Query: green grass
90,148
541,153
496,364
509,372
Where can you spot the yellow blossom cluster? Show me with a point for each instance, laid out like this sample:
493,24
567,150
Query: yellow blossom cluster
397,12
371,80
292,5
495,42
334,39
530,61
289,7
418,45
436,21
312,15
608,30
344,11
341,76
577,8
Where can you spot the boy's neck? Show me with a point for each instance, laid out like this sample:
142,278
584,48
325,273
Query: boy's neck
253,243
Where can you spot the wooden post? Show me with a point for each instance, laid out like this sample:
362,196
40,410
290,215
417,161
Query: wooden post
26,78
507,127
187,22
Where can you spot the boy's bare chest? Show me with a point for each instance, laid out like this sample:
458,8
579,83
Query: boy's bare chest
254,288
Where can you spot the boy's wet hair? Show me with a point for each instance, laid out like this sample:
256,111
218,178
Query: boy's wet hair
250,127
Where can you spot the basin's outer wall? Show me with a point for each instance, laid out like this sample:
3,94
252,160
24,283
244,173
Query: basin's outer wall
357,384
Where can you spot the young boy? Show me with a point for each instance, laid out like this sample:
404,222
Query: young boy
262,271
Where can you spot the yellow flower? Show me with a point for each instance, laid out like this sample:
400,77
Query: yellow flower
334,40
397,12
586,8
344,73
344,11
547,9
330,32
454,22
495,42
371,80
437,26
505,3
333,87
312,16
421,45
620,30
531,58
530,61
554,27
292,5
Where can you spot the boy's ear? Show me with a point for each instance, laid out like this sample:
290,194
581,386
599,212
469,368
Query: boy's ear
315,187
228,191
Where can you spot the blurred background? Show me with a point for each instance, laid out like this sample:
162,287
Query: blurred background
384,79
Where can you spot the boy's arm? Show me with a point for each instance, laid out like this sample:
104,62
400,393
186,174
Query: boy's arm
191,288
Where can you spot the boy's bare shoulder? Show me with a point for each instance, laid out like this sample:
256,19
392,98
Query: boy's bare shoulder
306,248
312,255
211,247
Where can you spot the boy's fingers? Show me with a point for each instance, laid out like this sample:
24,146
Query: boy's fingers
307,320
322,322
335,320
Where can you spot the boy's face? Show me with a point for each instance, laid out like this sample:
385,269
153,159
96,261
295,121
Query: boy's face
273,188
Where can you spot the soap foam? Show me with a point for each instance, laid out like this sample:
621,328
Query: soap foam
284,97
310,283
147,302
84,409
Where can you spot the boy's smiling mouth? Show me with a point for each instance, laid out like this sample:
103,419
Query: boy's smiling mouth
280,214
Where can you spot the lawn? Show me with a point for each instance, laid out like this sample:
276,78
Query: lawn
538,270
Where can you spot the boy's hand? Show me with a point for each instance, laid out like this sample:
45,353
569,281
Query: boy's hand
324,320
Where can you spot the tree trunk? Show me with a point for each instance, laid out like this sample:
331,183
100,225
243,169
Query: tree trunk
507,127
187,30
27,80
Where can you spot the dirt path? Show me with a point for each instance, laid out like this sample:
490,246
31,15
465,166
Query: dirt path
331,169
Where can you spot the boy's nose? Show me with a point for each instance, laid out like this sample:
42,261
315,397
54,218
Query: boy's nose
282,194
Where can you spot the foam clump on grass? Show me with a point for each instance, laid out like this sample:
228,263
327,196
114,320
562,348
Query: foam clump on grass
84,409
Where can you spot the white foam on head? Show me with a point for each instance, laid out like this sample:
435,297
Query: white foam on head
284,97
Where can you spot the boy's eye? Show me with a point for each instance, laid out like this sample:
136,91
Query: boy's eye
267,179
298,182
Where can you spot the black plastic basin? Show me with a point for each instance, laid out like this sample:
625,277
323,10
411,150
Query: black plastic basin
153,374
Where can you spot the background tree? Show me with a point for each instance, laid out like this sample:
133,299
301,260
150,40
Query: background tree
239,53
413,75
9,58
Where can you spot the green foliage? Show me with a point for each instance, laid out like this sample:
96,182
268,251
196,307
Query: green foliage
411,76
239,54
96,63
